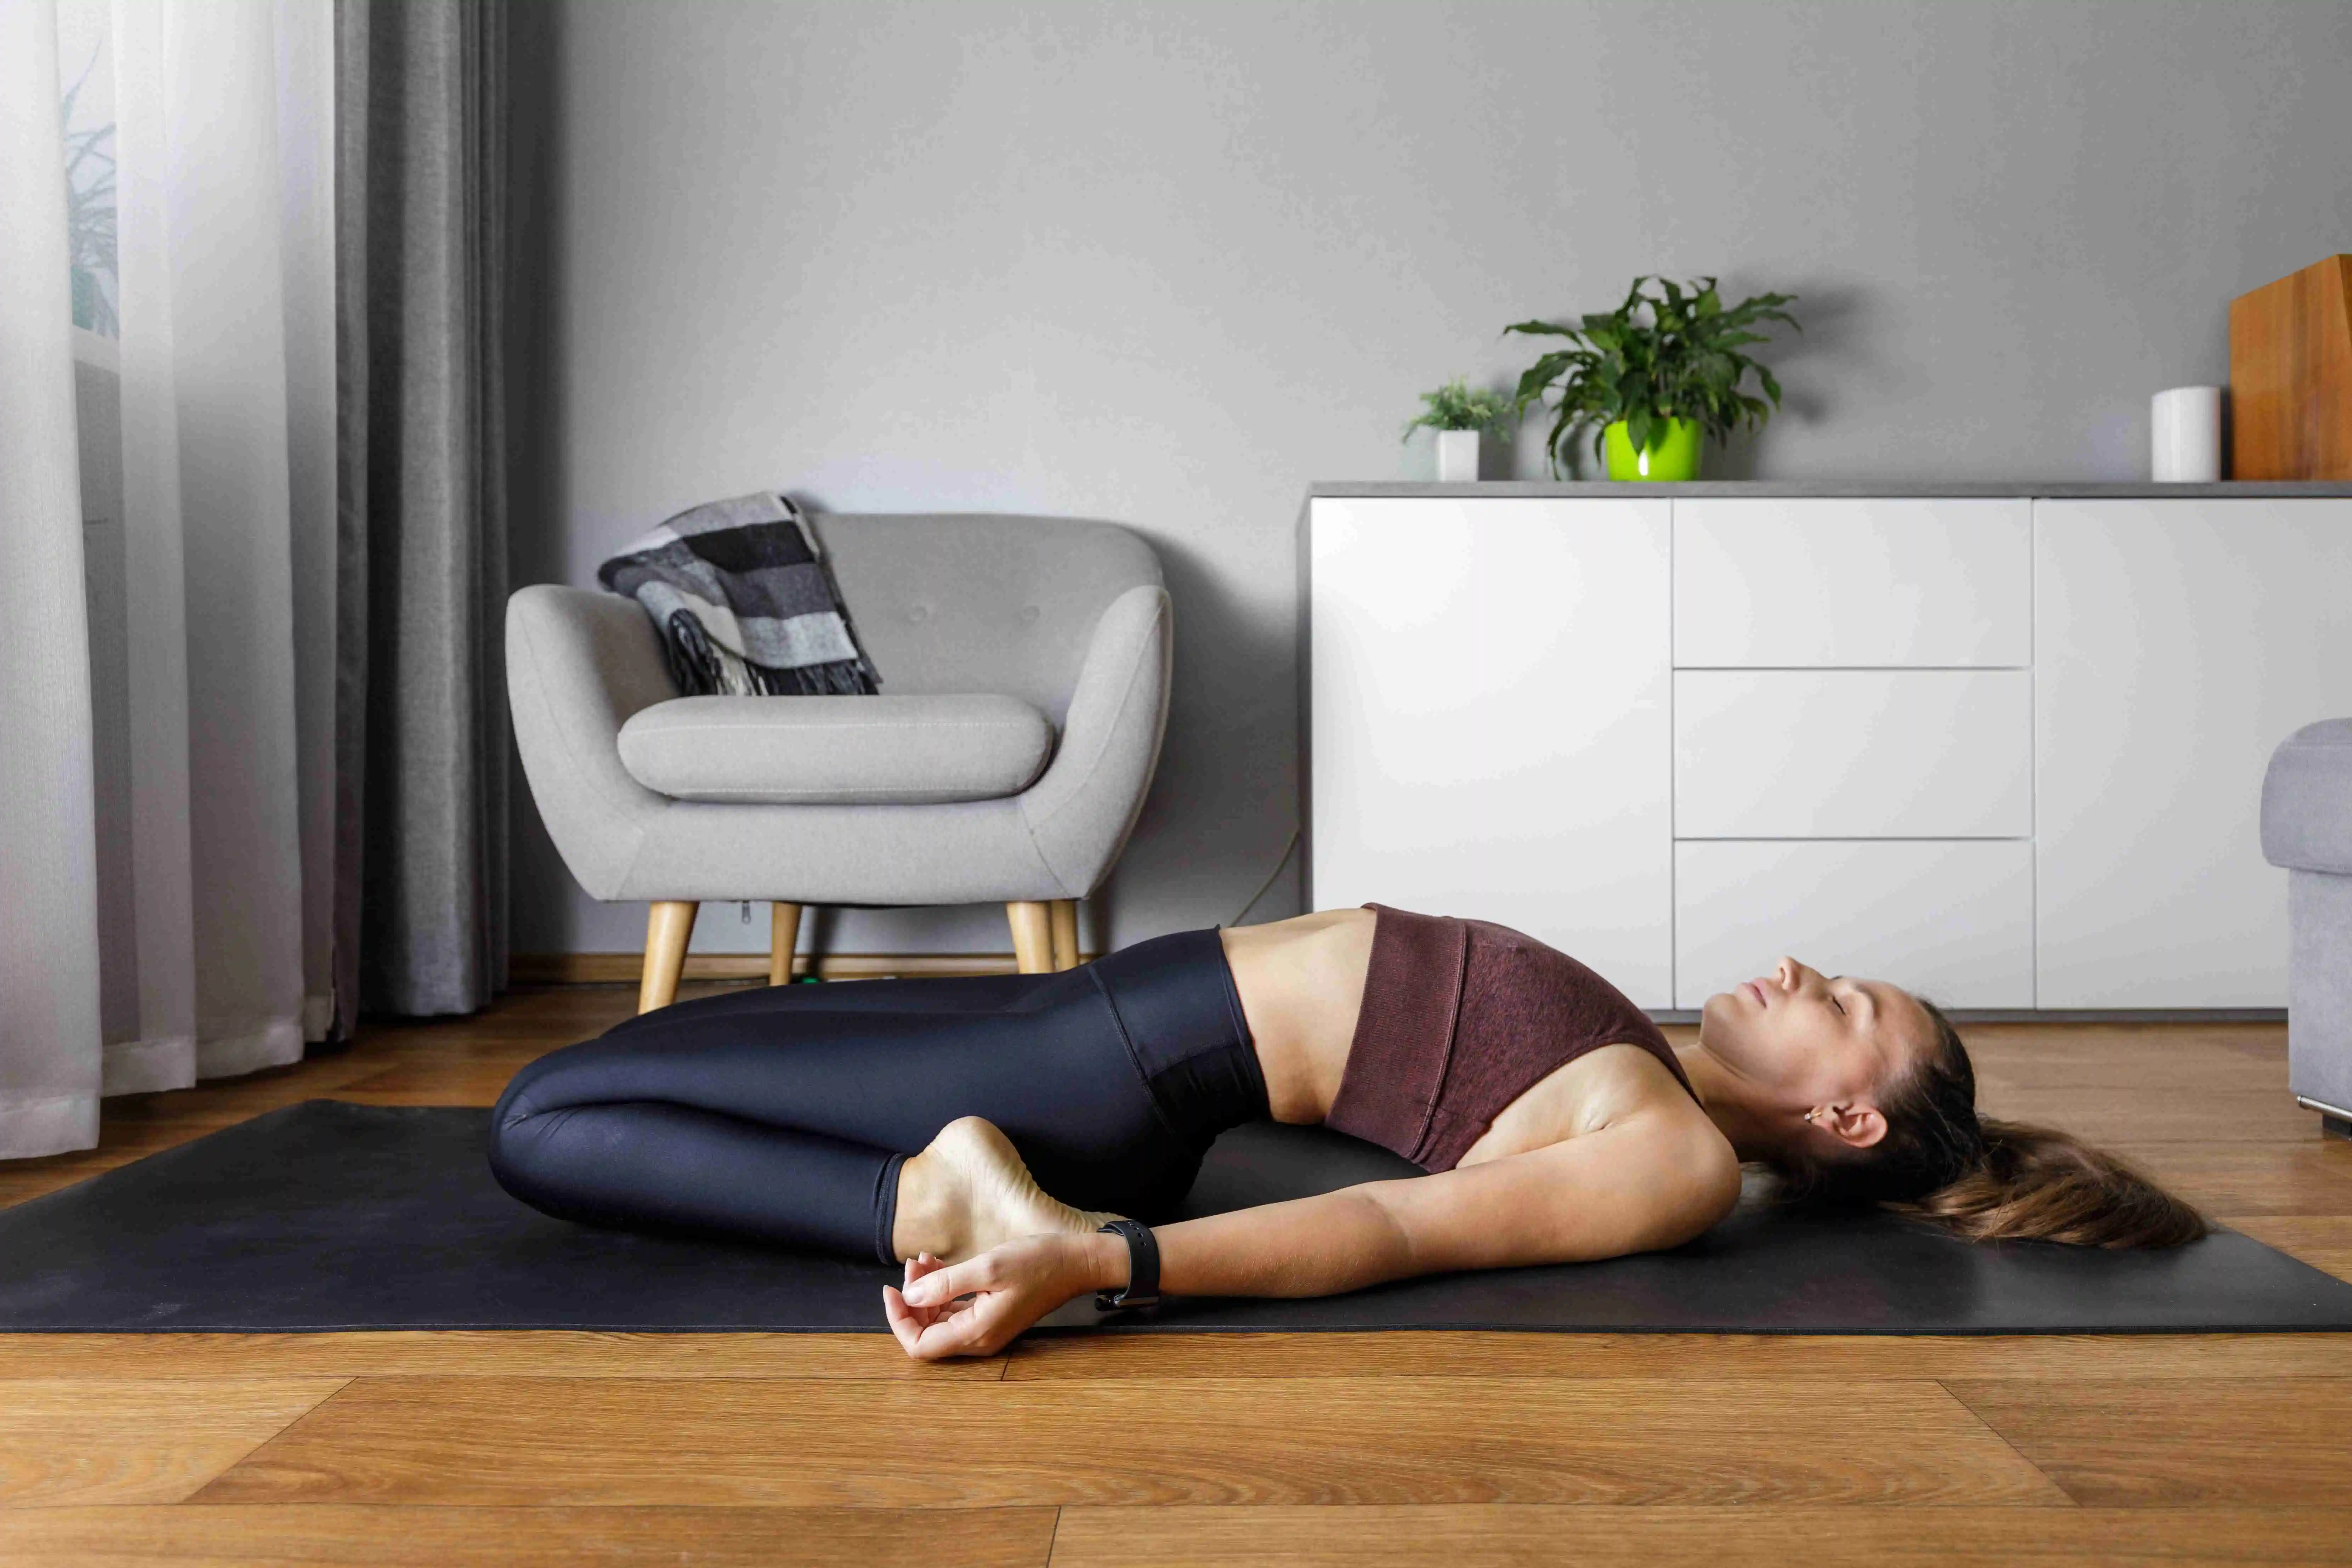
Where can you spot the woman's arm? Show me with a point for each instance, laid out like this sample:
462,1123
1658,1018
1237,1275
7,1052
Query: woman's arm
1633,1186
1654,1180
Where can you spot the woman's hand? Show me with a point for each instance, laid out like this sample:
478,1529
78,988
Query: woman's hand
978,1306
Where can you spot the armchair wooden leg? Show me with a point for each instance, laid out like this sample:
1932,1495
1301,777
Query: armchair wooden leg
1033,936
668,927
783,935
1066,934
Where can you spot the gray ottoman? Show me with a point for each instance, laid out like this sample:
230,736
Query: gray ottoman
2307,828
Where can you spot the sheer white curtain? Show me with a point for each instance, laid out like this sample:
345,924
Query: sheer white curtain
188,935
49,913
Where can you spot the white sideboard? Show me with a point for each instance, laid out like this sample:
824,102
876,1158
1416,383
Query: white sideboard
2005,748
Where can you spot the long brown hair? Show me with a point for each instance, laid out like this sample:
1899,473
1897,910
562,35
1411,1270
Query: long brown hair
1988,1180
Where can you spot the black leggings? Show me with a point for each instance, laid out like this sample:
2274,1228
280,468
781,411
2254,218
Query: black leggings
783,1113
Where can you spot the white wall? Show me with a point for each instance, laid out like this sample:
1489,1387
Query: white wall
1165,264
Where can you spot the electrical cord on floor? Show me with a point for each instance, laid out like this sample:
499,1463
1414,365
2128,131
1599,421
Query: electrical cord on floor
1263,888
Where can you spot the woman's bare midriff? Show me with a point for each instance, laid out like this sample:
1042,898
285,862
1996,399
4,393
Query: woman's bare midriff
1301,983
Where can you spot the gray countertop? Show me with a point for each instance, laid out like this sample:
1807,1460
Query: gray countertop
1826,490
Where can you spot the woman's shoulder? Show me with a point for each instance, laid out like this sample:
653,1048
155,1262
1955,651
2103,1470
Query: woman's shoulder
1640,1099
1621,1088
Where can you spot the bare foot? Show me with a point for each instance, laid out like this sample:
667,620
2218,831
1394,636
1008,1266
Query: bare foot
968,1191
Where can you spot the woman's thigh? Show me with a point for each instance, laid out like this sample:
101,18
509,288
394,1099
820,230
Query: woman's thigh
887,1064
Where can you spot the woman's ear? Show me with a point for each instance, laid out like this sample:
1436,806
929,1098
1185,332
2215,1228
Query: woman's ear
1856,1126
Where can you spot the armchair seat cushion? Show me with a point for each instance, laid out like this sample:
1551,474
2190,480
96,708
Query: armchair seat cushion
2307,800
853,751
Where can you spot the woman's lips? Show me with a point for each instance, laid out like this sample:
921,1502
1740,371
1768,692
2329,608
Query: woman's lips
1758,990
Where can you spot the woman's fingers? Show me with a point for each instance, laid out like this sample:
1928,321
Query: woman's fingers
909,1322
903,1326
937,1288
943,1283
976,1307
963,1333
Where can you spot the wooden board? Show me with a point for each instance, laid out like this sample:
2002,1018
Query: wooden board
507,1352
67,1440
1749,1537
2126,1442
1373,1358
529,1537
508,1441
2290,376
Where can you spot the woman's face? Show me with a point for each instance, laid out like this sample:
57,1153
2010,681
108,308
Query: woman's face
1800,1041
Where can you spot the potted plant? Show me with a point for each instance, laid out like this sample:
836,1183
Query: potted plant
1655,388
1458,416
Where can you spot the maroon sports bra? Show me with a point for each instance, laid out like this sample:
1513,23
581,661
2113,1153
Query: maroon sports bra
1460,1018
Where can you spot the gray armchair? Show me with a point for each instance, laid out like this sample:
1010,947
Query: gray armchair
1024,667
2307,828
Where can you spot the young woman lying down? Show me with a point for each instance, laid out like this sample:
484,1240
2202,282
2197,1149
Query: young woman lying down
1018,1140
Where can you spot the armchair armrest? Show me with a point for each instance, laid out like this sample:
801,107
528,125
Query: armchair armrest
1080,812
2307,800
579,666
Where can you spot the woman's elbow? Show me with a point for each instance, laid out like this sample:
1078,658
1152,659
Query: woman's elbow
1706,1191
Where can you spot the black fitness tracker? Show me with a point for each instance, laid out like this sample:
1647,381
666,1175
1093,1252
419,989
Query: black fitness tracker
1142,1289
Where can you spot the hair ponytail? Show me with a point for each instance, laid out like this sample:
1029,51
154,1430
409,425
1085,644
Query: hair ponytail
2037,1184
1986,1180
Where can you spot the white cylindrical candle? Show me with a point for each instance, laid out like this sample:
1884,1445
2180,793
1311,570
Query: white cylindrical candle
2185,435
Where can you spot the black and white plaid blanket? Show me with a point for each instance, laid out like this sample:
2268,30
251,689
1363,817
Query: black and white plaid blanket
744,603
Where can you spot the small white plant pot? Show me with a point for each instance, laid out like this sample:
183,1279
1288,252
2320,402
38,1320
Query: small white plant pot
1457,456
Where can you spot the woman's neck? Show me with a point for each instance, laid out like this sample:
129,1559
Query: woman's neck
1729,1101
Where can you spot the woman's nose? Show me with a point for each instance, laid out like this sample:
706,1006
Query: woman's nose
1787,973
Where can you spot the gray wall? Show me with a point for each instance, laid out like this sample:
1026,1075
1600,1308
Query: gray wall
1166,264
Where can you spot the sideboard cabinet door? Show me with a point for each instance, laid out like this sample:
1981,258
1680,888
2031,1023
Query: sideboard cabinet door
1489,735
2176,643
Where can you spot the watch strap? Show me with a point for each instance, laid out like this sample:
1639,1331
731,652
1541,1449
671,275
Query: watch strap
1142,1288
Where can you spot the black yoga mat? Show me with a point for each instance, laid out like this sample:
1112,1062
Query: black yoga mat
329,1216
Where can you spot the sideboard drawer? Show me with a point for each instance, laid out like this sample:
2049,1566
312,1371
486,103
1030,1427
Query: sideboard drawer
1853,754
1953,921
1798,582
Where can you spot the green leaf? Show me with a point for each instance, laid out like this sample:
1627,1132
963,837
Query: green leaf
1557,440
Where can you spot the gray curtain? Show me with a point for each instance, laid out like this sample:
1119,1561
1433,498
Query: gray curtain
422,274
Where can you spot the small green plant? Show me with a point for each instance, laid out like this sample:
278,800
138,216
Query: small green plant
1683,364
1454,406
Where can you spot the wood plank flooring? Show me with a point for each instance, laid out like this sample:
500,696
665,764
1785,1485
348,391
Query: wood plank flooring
1341,1449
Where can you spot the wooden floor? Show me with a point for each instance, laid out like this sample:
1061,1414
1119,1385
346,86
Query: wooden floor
1465,1450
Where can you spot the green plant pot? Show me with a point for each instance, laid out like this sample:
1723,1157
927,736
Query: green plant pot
1671,456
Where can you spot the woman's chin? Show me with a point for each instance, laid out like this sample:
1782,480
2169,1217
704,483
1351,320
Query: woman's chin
1715,1008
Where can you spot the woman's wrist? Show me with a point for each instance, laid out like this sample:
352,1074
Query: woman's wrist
1103,1260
